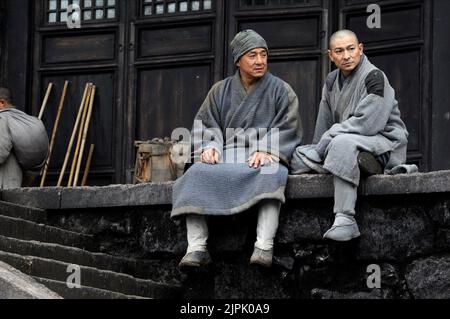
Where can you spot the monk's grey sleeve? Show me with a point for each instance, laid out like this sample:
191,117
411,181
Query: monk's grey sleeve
207,132
324,122
5,140
286,127
324,118
372,112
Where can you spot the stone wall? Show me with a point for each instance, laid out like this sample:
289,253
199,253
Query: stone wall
404,221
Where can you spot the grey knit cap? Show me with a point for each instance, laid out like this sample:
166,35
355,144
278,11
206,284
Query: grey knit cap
245,41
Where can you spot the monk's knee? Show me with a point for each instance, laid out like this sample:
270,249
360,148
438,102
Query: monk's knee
342,144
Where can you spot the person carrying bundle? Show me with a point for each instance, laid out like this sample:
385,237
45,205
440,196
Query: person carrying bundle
23,142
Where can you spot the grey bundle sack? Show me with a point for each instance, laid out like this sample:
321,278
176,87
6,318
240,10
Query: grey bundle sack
29,138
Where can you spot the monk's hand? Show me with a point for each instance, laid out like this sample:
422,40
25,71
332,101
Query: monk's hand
210,156
259,159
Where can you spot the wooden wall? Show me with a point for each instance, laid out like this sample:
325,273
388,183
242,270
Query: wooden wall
153,66
2,43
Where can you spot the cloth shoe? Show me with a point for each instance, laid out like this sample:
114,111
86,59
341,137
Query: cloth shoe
262,257
368,164
344,228
195,259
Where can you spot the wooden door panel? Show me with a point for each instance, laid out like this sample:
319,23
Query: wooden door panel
304,77
406,82
177,40
169,98
83,48
391,30
2,43
299,32
440,66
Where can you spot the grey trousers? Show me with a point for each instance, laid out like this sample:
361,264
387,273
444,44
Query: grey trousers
345,193
268,215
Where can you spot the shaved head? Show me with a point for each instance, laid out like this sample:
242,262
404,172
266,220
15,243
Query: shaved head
345,51
5,98
342,34
5,94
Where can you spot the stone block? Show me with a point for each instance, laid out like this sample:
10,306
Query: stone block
443,240
45,198
239,280
418,183
117,196
309,186
16,285
440,213
158,233
394,233
429,278
297,223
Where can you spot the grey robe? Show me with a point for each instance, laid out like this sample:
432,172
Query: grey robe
358,113
10,171
29,138
232,186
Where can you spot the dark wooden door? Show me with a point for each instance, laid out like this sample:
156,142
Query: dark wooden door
94,53
175,56
152,62
2,43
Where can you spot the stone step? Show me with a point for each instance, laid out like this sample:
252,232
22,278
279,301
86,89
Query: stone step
27,230
91,277
82,292
14,284
23,212
145,269
71,255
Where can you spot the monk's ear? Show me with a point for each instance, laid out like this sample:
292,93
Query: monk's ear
330,55
361,48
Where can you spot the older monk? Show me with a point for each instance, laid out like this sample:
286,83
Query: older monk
224,183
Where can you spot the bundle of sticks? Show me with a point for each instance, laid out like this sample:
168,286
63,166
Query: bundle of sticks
79,133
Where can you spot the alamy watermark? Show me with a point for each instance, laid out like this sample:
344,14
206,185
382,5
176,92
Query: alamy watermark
74,279
374,20
73,16
374,279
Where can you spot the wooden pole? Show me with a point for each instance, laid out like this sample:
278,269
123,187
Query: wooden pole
44,103
72,138
55,129
80,134
88,165
83,142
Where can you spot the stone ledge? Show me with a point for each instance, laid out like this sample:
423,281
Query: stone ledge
16,285
298,187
